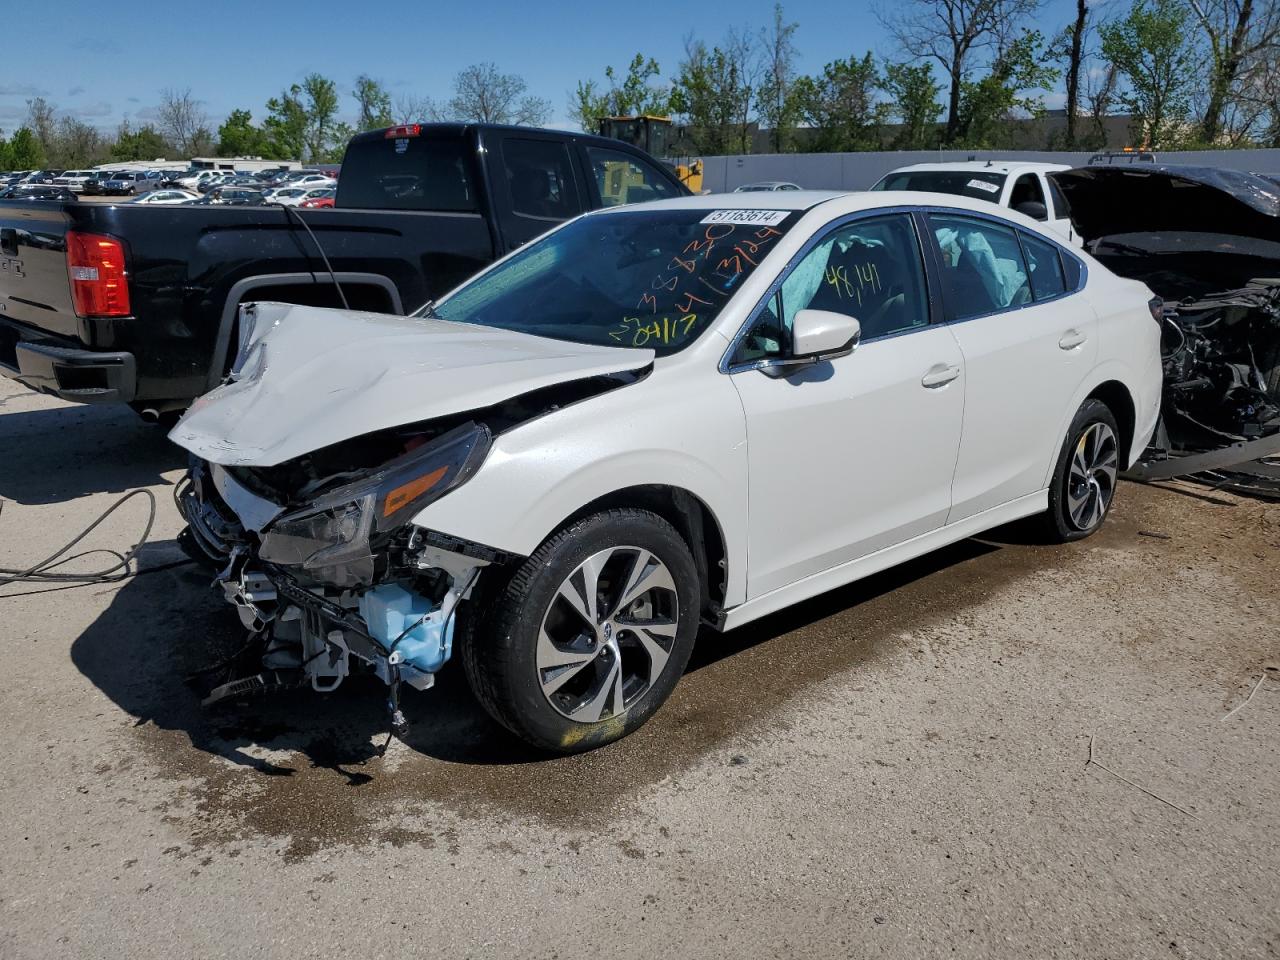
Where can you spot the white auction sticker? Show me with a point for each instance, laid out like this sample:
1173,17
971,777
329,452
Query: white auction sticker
984,185
767,218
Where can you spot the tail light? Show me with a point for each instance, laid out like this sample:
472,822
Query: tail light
1156,306
99,284
402,131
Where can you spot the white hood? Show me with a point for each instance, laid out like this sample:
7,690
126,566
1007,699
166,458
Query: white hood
313,377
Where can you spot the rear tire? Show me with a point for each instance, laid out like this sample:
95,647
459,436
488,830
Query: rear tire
1083,485
589,635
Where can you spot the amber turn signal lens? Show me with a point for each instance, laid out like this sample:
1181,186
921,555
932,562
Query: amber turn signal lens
408,492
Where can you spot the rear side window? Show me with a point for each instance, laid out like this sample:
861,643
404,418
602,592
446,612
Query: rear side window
982,267
622,178
540,179
408,173
1045,264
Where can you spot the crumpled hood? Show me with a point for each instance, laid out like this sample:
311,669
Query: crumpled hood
313,377
1108,201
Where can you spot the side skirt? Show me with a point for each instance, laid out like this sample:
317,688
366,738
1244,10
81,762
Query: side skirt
883,559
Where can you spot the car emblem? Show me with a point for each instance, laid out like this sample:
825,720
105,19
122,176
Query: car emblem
608,632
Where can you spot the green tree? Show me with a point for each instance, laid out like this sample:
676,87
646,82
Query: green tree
374,102
1013,87
25,152
6,162
634,93
145,143
775,103
913,103
238,137
840,105
1153,51
42,121
322,114
704,96
286,124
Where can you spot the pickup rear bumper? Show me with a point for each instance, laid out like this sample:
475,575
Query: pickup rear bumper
69,372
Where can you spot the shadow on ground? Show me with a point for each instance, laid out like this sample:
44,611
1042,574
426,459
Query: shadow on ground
163,626
99,449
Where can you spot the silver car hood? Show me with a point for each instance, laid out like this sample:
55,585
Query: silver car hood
312,377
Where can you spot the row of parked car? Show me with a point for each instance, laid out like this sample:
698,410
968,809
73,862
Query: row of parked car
280,187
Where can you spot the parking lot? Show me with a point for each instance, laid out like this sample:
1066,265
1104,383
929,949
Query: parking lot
898,768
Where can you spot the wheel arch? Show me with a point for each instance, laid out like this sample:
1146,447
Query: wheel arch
1120,402
693,519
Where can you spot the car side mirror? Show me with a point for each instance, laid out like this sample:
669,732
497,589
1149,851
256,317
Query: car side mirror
1033,209
818,335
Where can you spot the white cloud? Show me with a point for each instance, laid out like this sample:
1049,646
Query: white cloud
21,90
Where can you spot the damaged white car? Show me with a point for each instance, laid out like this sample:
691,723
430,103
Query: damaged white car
696,411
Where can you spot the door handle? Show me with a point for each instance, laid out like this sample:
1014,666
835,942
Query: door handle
1072,339
940,374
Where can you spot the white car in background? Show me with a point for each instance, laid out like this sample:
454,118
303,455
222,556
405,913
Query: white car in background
1026,187
294,196
74,180
166,196
700,410
312,180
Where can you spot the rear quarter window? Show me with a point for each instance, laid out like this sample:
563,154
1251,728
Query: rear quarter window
409,173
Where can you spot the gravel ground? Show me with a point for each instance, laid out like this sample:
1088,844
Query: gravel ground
896,769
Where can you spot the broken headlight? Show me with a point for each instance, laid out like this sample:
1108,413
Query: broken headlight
334,539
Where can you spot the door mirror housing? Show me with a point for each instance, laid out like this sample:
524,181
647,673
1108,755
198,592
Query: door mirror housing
1033,209
818,335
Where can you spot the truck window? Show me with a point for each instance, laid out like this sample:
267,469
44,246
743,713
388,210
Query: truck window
621,178
540,178
409,173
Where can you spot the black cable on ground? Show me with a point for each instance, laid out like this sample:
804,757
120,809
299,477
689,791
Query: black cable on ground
45,572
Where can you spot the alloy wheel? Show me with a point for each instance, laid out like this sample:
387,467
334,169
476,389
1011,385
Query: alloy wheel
607,634
1091,480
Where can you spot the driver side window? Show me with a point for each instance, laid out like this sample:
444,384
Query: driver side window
868,269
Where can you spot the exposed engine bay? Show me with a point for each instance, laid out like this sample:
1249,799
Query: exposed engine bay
1208,242
318,552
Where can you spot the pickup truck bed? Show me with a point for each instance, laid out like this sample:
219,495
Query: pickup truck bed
418,210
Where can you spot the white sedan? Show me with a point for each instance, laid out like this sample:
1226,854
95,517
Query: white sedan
166,196
695,411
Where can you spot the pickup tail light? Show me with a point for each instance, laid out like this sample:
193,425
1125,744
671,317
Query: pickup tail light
99,283
1156,306
402,131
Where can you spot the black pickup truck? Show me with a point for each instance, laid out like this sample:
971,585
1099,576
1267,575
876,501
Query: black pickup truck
137,303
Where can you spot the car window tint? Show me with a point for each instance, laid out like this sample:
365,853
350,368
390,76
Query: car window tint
1061,209
1045,264
540,179
869,269
982,267
622,178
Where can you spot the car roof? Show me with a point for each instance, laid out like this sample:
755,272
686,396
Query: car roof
989,166
835,203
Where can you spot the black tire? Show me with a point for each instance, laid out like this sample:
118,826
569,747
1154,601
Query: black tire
1057,524
500,640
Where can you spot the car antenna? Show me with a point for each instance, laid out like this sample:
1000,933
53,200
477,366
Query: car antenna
327,265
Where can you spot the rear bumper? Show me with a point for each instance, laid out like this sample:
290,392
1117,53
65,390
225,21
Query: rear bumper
72,373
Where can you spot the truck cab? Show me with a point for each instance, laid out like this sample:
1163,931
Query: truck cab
1026,187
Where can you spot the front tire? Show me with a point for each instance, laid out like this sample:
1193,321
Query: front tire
1084,479
590,634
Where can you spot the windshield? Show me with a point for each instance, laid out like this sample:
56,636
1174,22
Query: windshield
655,278
964,183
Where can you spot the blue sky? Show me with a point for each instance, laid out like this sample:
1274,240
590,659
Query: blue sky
237,53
